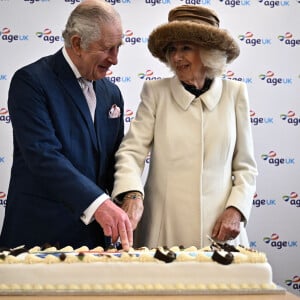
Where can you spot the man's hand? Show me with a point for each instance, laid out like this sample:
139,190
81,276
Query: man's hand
134,209
227,226
115,223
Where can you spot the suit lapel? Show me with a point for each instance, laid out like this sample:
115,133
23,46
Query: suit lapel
71,85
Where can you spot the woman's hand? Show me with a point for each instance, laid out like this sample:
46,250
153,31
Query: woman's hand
227,226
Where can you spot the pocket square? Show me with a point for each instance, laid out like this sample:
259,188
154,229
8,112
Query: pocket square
114,112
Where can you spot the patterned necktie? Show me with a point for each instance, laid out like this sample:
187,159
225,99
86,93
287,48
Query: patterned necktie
89,93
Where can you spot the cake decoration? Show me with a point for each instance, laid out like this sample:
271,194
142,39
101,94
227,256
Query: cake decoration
167,257
14,251
224,259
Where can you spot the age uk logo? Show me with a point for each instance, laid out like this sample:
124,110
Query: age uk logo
6,35
288,39
271,79
272,159
290,118
275,242
47,36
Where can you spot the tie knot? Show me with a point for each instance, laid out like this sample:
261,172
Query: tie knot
85,82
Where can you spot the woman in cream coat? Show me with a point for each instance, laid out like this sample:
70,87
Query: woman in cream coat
202,171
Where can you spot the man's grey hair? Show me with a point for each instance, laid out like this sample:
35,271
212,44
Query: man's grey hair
86,21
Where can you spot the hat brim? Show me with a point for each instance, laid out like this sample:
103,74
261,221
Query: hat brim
206,36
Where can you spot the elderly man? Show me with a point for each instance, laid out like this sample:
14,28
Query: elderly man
67,123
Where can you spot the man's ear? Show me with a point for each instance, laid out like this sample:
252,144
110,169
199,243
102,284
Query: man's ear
76,44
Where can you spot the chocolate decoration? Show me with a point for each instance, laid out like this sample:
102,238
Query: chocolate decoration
167,258
228,248
224,260
62,256
80,255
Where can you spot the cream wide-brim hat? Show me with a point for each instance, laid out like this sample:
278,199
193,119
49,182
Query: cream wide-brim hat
196,24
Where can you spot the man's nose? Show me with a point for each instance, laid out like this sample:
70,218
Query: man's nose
113,56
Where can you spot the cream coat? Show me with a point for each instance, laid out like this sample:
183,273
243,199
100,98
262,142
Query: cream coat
202,160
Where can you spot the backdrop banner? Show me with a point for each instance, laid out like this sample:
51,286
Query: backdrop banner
268,33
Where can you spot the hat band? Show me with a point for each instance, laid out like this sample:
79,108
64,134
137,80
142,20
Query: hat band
197,19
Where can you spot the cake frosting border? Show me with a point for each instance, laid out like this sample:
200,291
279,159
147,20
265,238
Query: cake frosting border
118,291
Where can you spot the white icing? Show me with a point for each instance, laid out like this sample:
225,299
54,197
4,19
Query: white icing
137,270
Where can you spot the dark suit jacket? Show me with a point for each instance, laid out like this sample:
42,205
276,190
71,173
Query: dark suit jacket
61,161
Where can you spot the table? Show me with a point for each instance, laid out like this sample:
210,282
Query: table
286,296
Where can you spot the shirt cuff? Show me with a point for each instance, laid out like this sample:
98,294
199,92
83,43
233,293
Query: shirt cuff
88,215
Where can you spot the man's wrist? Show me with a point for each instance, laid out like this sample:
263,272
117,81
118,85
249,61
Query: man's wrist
88,215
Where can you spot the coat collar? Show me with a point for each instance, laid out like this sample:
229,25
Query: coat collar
184,98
